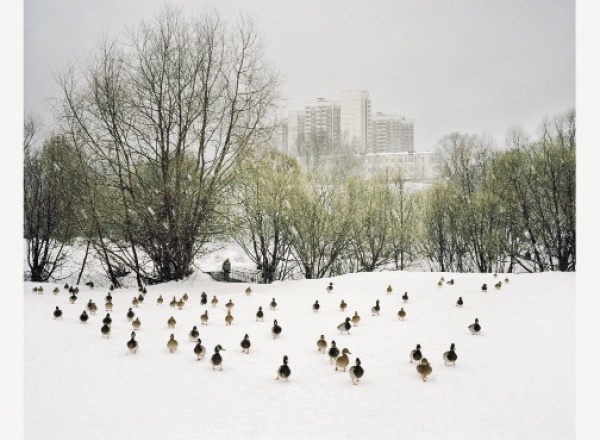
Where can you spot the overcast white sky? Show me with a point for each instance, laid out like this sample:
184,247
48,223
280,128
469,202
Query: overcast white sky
468,65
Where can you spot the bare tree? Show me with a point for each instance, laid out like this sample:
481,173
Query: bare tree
49,197
162,113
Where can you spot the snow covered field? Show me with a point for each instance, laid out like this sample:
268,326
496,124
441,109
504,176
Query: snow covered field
515,380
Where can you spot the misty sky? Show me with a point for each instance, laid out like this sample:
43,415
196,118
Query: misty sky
474,66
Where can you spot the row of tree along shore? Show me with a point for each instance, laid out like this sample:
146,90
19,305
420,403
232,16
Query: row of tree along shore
161,149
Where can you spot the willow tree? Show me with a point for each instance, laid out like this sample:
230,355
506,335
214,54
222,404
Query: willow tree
162,112
264,185
320,219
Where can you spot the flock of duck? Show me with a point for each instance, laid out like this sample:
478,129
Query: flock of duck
337,358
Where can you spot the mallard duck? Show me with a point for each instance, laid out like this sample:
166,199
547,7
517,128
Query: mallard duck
450,356
40,290
130,314
136,324
415,355
424,369
273,304
355,319
83,317
442,279
284,371
259,314
171,322
316,306
484,288
160,300
333,352
329,288
180,303
216,359
34,290
73,298
495,275
89,306
203,299
506,280
375,309
111,287
356,372
451,282
56,291
140,299
401,314
475,328
405,297
389,289
90,284
345,326
144,291
322,344
107,298
194,333
173,302
229,305
108,306
185,297
57,313
343,306
199,349
105,330
214,301
132,344
459,303
498,285
245,344
228,318
93,309
248,290
107,319
66,286
172,344
204,318
76,290
440,283
343,360
276,329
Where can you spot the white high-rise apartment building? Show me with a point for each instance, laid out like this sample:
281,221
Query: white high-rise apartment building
295,133
321,127
355,115
392,134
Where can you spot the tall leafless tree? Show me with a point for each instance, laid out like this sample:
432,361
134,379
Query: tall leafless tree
162,113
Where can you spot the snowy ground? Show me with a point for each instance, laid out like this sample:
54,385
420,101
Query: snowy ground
516,380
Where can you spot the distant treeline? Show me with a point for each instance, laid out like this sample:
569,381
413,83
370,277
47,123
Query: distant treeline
160,150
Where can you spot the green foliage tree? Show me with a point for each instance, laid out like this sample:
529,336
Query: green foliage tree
264,185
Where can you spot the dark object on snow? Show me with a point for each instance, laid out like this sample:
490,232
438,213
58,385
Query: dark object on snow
276,329
475,328
284,371
450,356
416,355
216,358
245,344
345,326
356,372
